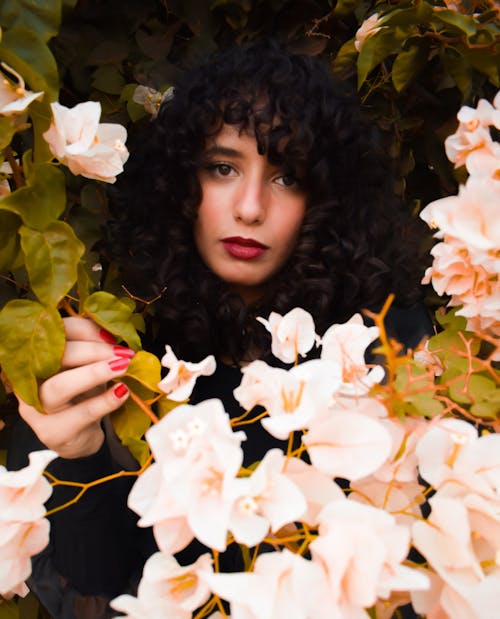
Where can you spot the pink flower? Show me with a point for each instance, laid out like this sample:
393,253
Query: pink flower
452,457
282,584
471,279
154,500
291,397
346,344
472,135
197,459
181,379
361,549
484,164
23,530
167,590
471,217
23,492
350,444
292,334
14,98
88,148
317,488
367,29
401,499
267,499
401,465
19,541
463,548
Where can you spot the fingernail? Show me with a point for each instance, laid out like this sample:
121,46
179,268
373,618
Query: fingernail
123,351
119,364
107,337
120,390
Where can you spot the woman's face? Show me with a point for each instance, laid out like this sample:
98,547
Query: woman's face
250,213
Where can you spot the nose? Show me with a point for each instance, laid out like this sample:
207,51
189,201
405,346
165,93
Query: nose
251,201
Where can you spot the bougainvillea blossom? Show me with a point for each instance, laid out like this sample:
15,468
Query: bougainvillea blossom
92,149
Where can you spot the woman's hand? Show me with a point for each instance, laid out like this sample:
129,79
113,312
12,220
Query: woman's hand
77,398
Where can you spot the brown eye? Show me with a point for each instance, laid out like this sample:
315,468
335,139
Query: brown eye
224,169
287,180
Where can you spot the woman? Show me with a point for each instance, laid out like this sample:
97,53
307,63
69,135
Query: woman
258,188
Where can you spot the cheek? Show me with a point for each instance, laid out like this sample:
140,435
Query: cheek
292,226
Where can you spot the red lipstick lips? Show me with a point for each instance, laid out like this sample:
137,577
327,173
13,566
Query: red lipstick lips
245,249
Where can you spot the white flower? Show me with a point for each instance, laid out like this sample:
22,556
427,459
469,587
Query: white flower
292,334
191,484
24,531
87,147
167,590
14,98
181,379
267,499
367,29
346,344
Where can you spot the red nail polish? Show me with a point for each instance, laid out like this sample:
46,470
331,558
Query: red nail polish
119,364
120,390
123,351
107,337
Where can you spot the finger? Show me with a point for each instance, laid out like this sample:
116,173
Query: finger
79,328
94,409
61,388
78,353
70,431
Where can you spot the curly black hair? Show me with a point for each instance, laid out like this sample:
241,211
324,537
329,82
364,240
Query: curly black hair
356,243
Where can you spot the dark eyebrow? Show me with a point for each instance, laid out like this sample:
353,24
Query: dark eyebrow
222,150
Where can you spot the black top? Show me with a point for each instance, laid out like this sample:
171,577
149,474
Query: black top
96,551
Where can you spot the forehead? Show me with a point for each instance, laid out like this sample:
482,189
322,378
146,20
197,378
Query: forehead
231,141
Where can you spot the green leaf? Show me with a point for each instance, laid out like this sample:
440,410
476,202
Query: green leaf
51,258
32,343
128,92
345,7
29,607
135,110
408,64
458,69
376,49
29,55
9,609
108,79
145,368
488,408
130,422
483,61
450,319
138,448
463,23
43,18
345,60
7,130
41,117
43,198
470,390
83,283
9,241
113,315
413,16
416,388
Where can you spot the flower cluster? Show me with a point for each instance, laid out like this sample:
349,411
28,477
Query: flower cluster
466,262
198,488
24,531
340,548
